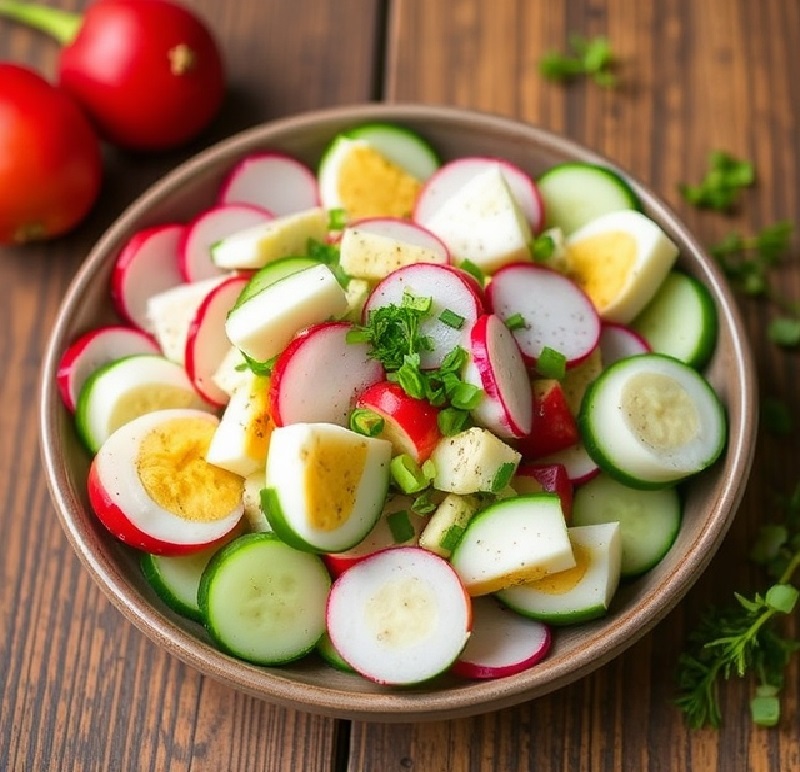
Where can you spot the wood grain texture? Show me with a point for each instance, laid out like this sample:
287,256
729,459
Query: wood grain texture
695,77
80,688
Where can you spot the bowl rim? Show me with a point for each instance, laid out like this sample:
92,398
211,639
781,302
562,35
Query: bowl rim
475,697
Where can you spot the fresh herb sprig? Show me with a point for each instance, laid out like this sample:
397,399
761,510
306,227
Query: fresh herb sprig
719,189
745,637
589,57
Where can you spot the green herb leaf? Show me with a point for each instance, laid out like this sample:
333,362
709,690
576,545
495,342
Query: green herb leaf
516,322
367,422
424,504
328,254
785,331
400,526
542,248
720,187
337,219
465,396
473,270
451,421
782,598
765,710
551,364
452,319
593,58
256,367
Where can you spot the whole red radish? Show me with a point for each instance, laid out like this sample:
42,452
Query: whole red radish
148,72
50,163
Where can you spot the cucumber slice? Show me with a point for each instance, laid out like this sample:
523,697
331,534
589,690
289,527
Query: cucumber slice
177,578
652,420
128,388
401,146
271,273
328,652
575,193
263,601
649,521
680,320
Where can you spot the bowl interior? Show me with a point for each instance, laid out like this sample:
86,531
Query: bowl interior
711,499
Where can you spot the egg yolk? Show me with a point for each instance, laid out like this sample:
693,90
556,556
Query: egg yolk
148,399
173,470
259,430
372,186
564,581
601,265
333,470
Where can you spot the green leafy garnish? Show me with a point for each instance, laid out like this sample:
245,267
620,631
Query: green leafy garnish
394,333
255,366
451,538
551,364
407,474
542,248
424,504
785,331
516,322
328,254
452,319
337,219
367,422
473,270
720,187
410,300
588,57
400,526
745,637
452,421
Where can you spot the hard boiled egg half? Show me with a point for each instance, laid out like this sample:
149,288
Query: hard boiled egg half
620,259
325,485
151,486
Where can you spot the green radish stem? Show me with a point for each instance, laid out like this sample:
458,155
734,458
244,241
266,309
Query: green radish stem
62,25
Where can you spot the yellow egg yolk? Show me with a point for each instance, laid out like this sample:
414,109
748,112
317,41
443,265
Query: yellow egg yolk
259,430
333,470
372,186
148,399
601,265
564,581
173,471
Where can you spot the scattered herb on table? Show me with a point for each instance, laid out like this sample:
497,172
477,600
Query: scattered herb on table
719,189
591,57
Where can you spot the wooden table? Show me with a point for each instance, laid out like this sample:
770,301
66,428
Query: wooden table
83,690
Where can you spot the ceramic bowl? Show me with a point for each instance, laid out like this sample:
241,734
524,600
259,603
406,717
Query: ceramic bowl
711,500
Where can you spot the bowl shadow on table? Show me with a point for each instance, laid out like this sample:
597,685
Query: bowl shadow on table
711,499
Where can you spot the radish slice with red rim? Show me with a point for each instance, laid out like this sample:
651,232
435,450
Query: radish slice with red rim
618,341
207,229
273,181
580,466
502,642
297,392
556,313
497,367
147,265
206,342
448,179
94,349
400,616
449,288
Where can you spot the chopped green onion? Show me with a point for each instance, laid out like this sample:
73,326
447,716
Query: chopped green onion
516,322
465,396
407,474
410,300
429,469
454,360
473,270
358,335
543,248
337,219
451,421
410,380
551,364
782,597
424,504
452,536
367,422
503,476
400,525
765,710
452,319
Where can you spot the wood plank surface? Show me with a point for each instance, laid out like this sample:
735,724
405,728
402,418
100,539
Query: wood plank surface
696,76
80,689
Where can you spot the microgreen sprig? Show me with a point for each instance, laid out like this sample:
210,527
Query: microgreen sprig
590,57
719,189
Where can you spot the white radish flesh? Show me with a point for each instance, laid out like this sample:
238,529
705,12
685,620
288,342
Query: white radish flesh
400,616
580,466
502,642
618,341
454,175
319,375
207,229
274,181
497,367
206,342
449,289
95,349
146,266
557,314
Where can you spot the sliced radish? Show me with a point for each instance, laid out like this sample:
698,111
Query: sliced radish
273,181
151,487
400,616
557,314
554,425
451,177
502,643
580,466
410,424
497,367
147,265
374,247
299,394
449,289
206,342
207,229
533,477
618,341
94,349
